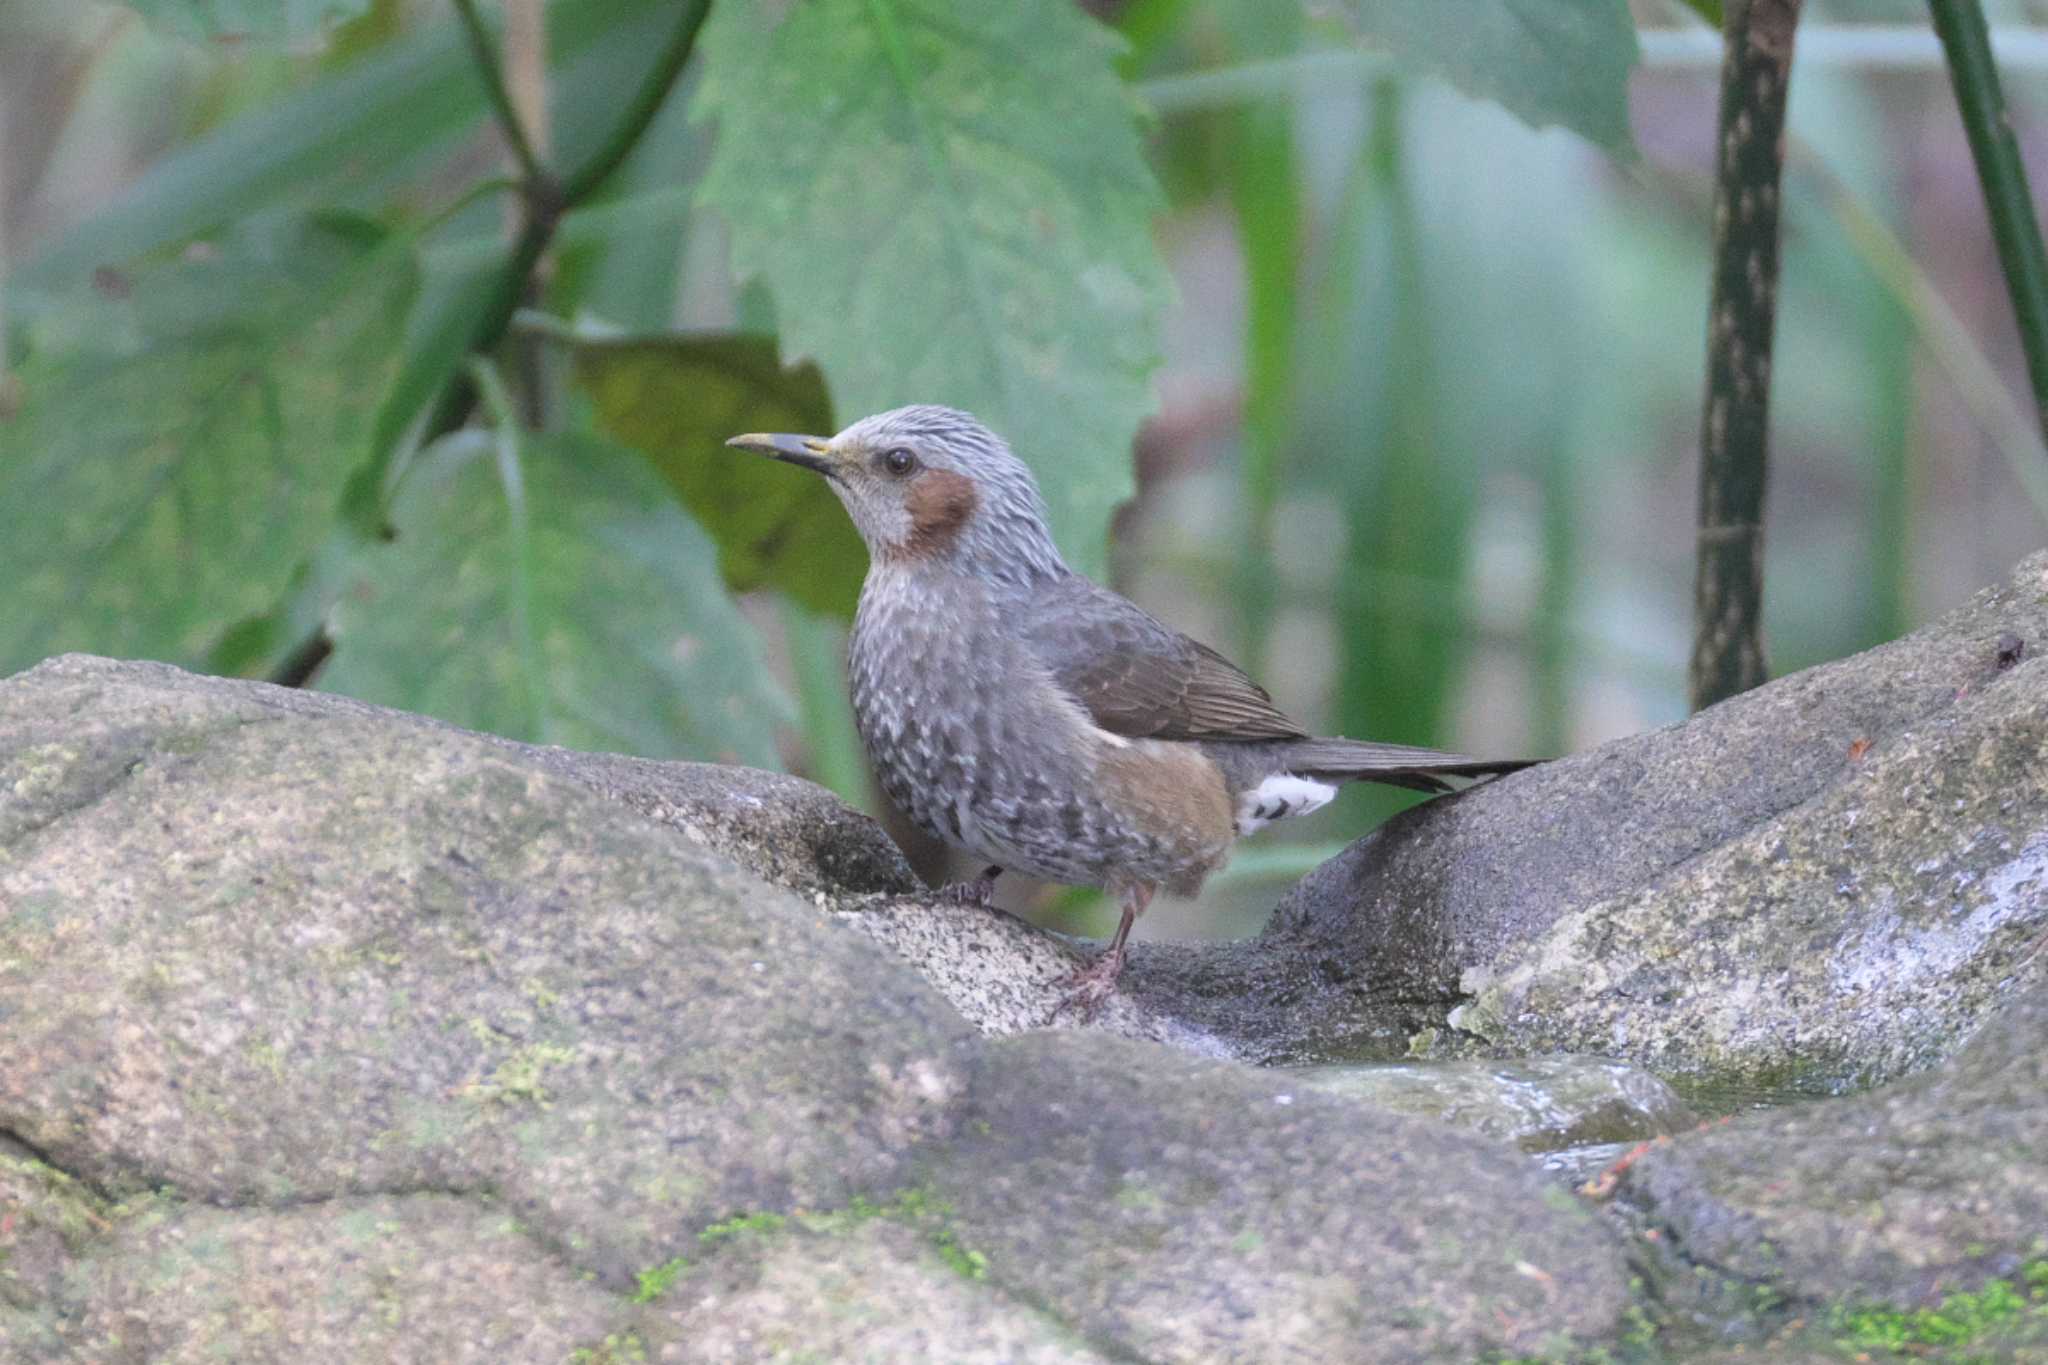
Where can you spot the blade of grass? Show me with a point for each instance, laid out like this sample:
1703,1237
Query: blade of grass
2017,436
505,424
1551,650
1266,192
389,110
1967,41
1408,499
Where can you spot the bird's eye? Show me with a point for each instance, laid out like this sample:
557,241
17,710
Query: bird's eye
898,461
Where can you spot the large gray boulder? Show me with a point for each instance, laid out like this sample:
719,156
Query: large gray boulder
267,956
331,1033
1829,881
328,1032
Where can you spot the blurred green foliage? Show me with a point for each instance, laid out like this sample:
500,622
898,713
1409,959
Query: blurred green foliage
1452,352
185,430
221,373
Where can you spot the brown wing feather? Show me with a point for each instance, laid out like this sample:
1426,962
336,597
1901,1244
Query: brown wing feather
1141,678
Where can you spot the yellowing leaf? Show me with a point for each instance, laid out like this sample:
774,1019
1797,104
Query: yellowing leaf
676,399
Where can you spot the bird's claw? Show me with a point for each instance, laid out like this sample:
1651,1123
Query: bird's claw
978,891
1088,987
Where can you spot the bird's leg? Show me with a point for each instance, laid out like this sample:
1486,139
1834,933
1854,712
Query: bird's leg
975,891
1088,987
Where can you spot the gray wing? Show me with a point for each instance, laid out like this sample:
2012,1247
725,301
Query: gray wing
1138,676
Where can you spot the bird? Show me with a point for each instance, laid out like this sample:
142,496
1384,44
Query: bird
1047,725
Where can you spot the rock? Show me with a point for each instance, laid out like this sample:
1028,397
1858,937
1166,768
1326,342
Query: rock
785,830
1006,976
415,1277
780,828
587,1046
47,1219
1540,1104
1181,1209
1828,881
330,1033
264,955
1930,1186
875,1289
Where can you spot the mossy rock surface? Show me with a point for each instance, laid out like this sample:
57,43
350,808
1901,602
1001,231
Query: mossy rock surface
1889,1202
330,1033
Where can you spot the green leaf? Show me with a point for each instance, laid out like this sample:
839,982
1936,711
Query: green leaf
950,205
1381,421
185,433
676,399
265,20
1265,189
357,134
555,594
1546,61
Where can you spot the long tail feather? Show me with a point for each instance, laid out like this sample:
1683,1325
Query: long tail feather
1396,765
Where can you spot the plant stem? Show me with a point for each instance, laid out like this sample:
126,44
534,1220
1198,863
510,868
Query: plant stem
1967,41
492,72
1756,71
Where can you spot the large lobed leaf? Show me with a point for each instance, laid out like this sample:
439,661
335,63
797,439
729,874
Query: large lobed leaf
184,435
676,399
950,205
556,595
1546,61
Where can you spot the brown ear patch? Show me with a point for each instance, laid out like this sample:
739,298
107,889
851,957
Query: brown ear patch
939,502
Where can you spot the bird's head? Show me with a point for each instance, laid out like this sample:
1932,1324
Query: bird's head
929,485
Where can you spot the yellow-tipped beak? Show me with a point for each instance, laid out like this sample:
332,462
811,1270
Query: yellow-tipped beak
812,452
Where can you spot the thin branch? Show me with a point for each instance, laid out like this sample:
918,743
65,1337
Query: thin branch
1728,649
492,72
1967,41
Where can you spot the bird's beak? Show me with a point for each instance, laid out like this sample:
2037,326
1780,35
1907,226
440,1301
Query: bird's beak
812,452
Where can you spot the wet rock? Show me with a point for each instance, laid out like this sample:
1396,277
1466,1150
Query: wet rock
1540,1104
1933,1185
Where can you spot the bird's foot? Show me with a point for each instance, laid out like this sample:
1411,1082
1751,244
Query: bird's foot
1087,987
979,891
